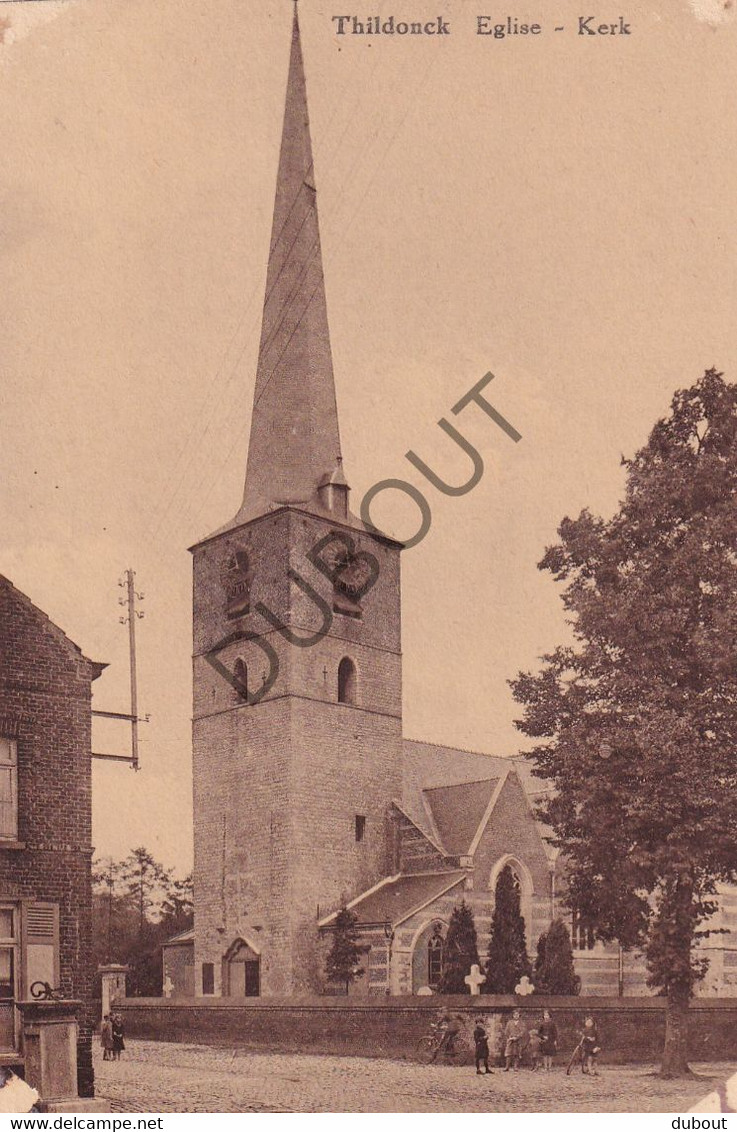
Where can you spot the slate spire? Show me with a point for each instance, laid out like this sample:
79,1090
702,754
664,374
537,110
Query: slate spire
295,443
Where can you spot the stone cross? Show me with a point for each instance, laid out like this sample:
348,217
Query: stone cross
474,979
168,987
524,986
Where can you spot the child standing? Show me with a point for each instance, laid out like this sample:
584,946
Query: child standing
514,1032
481,1042
106,1038
589,1047
548,1032
534,1045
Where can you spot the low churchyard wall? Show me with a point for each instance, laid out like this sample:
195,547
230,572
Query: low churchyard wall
630,1029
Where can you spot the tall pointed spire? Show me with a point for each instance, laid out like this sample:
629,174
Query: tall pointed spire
294,441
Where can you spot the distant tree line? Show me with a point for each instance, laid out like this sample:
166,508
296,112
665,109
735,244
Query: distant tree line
137,905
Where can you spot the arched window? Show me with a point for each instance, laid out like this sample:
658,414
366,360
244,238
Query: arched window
434,959
240,673
346,681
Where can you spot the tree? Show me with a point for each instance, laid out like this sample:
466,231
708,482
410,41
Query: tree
343,962
638,716
146,881
137,906
554,971
538,974
460,951
177,907
106,881
508,960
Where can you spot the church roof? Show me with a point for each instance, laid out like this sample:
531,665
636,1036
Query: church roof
458,811
294,444
399,897
426,766
448,792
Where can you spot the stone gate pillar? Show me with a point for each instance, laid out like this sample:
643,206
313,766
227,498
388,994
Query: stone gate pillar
112,976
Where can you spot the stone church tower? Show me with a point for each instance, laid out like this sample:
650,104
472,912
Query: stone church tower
297,729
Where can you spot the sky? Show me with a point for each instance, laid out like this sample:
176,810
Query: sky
557,210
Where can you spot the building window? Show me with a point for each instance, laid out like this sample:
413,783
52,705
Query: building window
208,978
8,789
8,967
360,827
346,681
29,954
434,959
582,933
240,673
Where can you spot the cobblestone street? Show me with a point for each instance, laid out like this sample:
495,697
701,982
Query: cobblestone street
163,1077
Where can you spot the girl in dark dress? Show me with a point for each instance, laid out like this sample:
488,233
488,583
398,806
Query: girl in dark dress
118,1035
481,1042
548,1032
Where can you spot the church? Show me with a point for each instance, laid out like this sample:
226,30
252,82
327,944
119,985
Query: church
307,796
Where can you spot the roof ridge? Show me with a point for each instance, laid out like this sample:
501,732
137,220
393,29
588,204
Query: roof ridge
461,750
453,785
56,630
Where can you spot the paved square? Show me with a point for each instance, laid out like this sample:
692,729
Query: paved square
164,1077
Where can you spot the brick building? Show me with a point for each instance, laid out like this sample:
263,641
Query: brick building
306,794
45,820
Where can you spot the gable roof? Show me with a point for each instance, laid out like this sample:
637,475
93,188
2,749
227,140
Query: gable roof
184,937
458,811
14,595
443,789
426,766
397,898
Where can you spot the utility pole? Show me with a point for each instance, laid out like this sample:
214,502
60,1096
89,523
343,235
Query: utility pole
133,613
129,601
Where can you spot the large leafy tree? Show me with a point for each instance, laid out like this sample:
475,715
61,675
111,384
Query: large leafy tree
508,960
638,717
460,952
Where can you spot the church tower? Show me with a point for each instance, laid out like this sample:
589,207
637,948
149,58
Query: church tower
297,730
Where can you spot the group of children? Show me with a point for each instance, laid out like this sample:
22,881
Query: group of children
539,1045
111,1037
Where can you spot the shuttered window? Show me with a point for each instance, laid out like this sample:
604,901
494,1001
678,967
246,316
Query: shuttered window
40,945
8,789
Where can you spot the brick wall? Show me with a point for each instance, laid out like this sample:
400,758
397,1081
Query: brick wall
631,1030
512,833
45,702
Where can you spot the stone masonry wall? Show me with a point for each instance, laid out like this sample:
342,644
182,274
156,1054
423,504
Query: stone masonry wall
278,785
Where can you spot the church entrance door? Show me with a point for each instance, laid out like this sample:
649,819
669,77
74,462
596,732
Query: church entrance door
242,971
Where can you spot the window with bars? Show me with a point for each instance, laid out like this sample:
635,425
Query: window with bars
8,790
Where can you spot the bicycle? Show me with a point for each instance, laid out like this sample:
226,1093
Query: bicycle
441,1040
